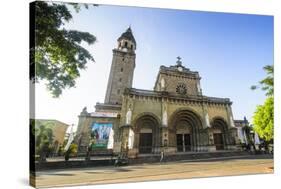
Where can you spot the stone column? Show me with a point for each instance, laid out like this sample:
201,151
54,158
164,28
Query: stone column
164,139
164,115
83,135
210,147
230,116
128,132
199,90
124,138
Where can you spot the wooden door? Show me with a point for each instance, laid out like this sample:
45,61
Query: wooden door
179,143
218,141
145,145
187,143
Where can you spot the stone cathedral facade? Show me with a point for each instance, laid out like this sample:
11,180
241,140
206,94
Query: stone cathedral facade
174,117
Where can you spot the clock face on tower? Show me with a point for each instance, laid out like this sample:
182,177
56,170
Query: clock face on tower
181,89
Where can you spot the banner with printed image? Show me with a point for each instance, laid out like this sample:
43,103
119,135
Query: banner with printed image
100,134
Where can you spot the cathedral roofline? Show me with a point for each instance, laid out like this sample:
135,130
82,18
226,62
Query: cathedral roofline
184,72
107,107
164,94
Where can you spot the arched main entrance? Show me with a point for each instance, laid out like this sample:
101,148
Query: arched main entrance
219,127
183,135
147,133
184,130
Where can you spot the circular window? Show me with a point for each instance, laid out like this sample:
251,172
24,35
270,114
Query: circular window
181,89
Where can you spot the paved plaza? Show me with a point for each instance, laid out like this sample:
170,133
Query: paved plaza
157,171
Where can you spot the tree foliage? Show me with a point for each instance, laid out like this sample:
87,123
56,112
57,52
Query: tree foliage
43,141
58,53
72,150
263,119
267,84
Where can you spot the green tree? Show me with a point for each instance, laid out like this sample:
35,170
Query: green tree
43,141
267,84
58,56
263,119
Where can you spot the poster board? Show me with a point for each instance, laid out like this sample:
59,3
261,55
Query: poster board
100,133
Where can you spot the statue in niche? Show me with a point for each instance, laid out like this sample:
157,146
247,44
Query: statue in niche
162,84
207,119
131,139
129,115
231,121
165,116
198,87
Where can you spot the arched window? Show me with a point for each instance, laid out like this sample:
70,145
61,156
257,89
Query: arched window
121,70
126,43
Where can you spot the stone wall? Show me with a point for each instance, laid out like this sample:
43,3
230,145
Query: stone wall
120,77
142,105
172,81
218,110
153,106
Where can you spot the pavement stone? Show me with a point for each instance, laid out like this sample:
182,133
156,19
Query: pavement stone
156,171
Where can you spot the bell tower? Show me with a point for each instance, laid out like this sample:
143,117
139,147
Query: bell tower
122,68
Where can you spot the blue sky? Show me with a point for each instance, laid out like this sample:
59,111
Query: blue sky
228,51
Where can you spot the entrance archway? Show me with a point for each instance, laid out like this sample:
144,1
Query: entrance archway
219,128
147,133
184,130
183,135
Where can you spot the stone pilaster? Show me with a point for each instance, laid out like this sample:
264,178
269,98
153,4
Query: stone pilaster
206,117
230,116
199,89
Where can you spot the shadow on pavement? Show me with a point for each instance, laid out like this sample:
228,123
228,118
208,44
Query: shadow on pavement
266,156
60,174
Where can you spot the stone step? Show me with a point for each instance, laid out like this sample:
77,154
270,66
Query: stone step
187,156
148,158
